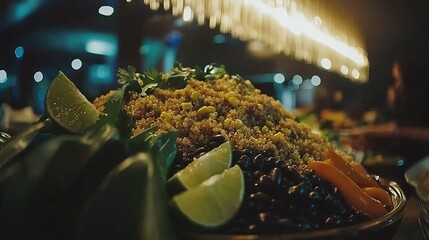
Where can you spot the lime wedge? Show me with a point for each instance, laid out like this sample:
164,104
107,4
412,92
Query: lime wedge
211,163
68,107
215,201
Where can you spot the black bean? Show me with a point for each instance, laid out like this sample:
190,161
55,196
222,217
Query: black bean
315,197
200,150
334,221
263,186
304,223
266,218
268,152
300,189
187,160
218,138
245,162
332,202
280,164
292,210
260,162
286,223
248,152
257,174
236,154
272,161
265,181
249,181
276,176
278,205
260,198
212,145
253,229
292,172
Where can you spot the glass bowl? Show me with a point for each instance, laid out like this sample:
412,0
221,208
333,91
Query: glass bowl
416,176
379,228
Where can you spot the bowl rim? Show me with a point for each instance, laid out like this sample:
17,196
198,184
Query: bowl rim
398,198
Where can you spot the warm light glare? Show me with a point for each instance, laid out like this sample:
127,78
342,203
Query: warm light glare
279,78
297,79
38,76
315,80
76,64
355,73
344,70
326,63
19,52
3,76
106,10
291,27
187,14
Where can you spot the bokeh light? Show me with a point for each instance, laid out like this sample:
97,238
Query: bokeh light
279,78
38,76
3,76
19,51
106,10
76,64
316,80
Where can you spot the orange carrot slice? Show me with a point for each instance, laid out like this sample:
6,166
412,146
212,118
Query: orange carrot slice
380,194
354,195
361,179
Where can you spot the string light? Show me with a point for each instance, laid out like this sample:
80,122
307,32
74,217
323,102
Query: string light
288,26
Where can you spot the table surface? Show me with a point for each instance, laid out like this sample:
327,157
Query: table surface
409,228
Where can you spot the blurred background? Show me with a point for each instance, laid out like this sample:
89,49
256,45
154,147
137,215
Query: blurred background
89,40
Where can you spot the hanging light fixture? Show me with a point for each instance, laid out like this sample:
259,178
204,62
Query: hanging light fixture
294,28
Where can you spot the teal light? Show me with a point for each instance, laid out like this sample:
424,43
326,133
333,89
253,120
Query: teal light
219,38
24,9
101,47
19,51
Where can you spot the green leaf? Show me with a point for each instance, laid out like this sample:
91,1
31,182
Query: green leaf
115,115
141,142
164,149
18,143
39,181
176,82
213,71
151,77
148,89
126,76
162,146
130,204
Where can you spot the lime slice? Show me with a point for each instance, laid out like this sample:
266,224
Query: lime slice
215,201
68,107
211,163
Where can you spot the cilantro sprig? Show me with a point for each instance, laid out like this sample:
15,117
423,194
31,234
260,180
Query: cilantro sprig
177,78
145,83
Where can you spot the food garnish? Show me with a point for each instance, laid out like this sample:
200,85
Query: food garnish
212,163
68,107
215,201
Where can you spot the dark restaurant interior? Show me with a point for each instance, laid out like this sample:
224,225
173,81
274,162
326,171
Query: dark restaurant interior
89,40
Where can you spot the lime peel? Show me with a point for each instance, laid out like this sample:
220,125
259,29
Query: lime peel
214,202
211,163
68,107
